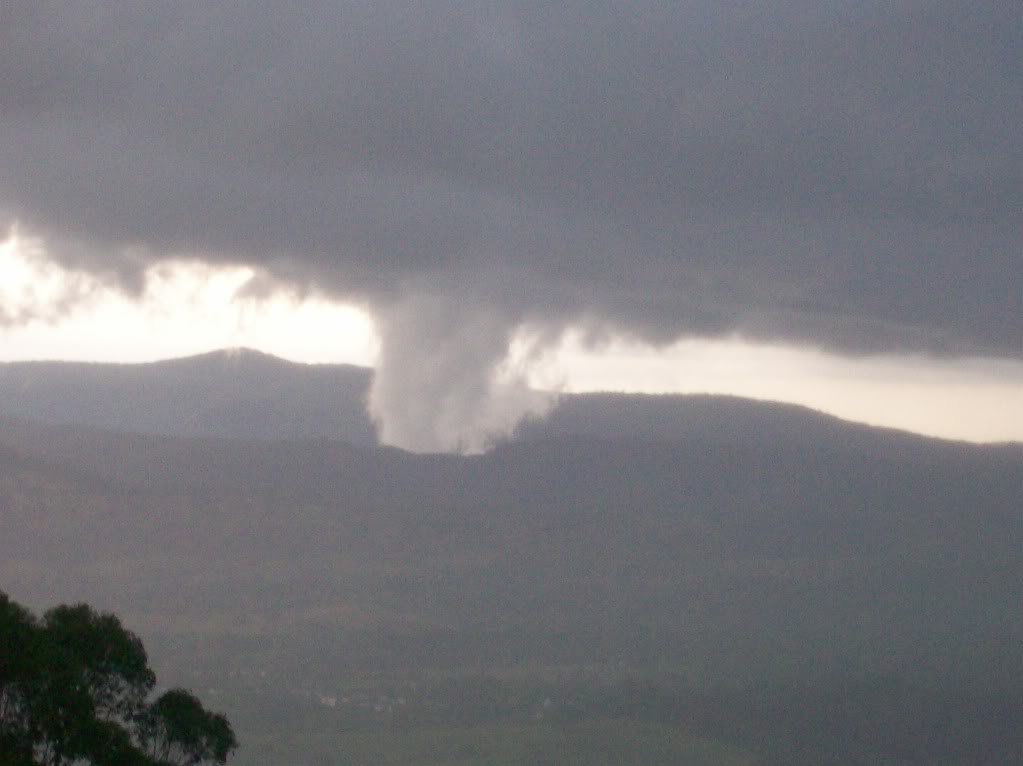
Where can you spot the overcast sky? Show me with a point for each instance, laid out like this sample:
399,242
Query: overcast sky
846,176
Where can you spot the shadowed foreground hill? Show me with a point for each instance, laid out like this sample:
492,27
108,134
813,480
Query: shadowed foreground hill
771,586
557,549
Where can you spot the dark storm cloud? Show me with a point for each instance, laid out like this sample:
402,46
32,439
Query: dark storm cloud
845,173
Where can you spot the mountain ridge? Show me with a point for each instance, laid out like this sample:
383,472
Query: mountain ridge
248,394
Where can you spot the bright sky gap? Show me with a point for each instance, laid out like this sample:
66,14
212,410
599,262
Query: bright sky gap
188,307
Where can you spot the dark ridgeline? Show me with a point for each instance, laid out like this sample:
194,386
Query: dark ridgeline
806,588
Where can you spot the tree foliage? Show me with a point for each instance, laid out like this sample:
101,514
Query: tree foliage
76,688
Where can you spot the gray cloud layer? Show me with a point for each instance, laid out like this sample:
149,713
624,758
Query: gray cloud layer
845,173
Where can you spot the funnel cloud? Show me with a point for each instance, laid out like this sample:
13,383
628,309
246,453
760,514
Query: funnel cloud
441,383
847,175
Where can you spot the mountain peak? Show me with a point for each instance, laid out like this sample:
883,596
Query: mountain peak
239,355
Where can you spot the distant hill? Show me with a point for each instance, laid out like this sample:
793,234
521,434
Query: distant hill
244,394
239,394
715,419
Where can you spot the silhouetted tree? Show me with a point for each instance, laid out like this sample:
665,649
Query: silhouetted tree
179,731
75,687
